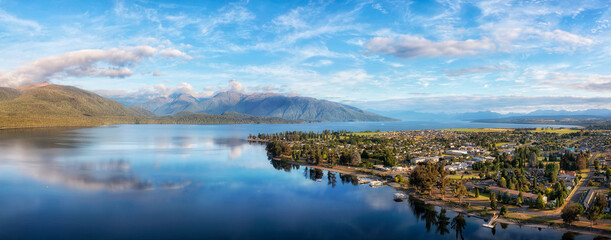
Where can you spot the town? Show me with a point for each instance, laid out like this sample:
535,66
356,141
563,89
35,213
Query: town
550,177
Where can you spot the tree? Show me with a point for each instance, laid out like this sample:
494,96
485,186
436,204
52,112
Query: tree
389,159
560,199
551,171
503,210
460,191
540,204
365,154
355,158
350,158
502,182
571,212
520,199
399,178
476,192
532,159
442,181
422,179
492,201
596,209
582,161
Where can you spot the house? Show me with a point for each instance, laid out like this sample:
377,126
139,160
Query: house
587,200
381,168
509,145
425,159
568,173
456,152
457,166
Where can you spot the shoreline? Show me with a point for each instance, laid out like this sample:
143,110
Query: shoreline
448,205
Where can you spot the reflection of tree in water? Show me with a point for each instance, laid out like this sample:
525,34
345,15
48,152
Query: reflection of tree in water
442,223
429,217
504,225
569,235
281,165
417,206
458,224
331,179
350,179
316,174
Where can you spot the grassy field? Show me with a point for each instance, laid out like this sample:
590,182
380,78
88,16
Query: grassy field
557,130
468,176
479,129
367,133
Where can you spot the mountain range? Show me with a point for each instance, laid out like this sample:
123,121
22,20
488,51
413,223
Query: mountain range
489,115
263,105
44,105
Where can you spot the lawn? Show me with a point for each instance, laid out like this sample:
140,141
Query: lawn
479,129
468,176
367,133
557,130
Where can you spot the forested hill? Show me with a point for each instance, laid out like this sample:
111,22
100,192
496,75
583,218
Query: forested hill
46,105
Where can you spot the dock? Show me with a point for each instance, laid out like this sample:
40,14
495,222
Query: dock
491,224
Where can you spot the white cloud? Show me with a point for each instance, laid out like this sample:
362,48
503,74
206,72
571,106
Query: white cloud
113,62
293,19
232,13
170,53
9,21
473,70
588,82
235,86
407,46
379,7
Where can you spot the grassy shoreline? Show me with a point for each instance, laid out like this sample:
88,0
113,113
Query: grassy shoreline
531,221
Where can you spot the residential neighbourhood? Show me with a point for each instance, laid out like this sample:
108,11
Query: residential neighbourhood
530,171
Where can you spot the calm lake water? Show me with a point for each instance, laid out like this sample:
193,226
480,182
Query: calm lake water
204,182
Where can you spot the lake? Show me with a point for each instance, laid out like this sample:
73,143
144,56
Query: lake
205,182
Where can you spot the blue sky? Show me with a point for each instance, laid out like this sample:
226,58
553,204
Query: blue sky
398,55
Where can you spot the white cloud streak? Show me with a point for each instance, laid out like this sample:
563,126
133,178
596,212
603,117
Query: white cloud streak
113,62
407,46
474,70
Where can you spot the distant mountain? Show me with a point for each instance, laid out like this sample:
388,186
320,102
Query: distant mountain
489,115
262,105
580,120
43,105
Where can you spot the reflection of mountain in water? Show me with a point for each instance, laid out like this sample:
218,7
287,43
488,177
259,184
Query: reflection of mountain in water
39,153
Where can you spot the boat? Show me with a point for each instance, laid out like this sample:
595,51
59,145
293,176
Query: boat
399,197
364,180
375,183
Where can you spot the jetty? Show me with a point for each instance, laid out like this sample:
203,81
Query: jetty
491,224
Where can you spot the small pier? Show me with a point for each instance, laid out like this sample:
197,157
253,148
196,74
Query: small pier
491,224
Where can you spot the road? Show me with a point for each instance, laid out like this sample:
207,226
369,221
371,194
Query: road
583,185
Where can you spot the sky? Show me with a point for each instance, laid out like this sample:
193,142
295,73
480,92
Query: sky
429,56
